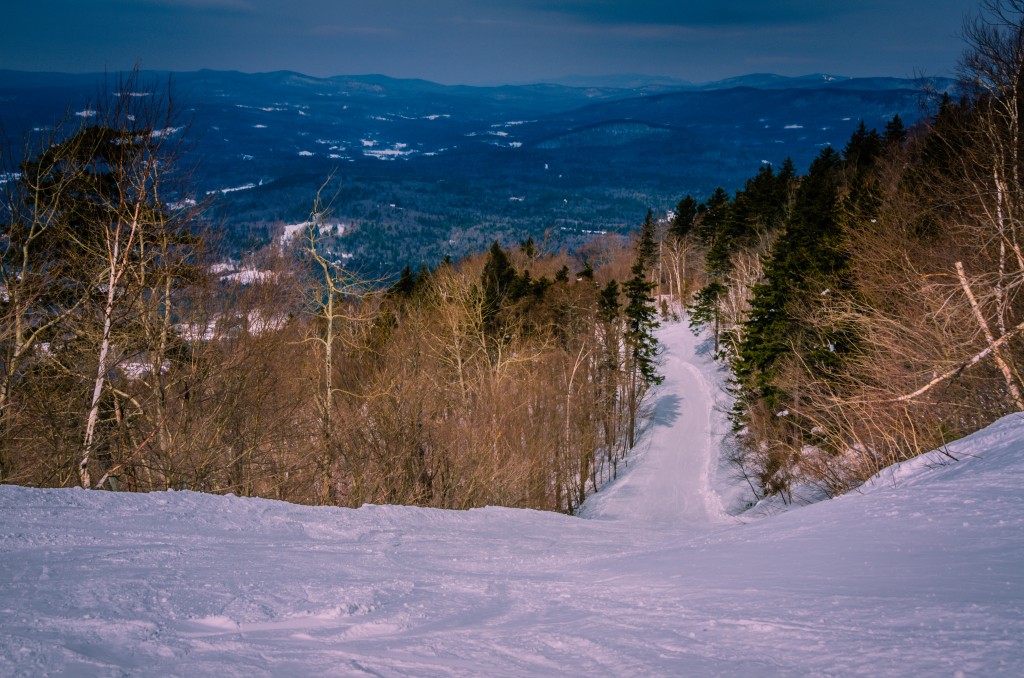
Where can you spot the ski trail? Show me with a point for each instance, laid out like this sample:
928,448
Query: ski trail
669,479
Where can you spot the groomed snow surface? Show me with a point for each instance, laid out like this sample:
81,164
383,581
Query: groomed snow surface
919,574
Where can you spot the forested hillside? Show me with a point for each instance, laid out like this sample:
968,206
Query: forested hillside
426,171
871,309
134,360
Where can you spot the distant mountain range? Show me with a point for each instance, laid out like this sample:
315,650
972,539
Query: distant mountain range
635,81
424,170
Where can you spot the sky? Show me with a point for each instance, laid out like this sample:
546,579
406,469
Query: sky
489,41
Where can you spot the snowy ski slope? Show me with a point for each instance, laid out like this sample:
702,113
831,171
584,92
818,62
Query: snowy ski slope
919,574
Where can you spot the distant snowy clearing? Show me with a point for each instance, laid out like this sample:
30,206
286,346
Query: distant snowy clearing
919,574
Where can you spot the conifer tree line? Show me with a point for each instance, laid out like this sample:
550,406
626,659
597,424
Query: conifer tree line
871,309
130,360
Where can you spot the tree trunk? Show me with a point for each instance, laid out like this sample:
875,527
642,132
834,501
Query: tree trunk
1011,383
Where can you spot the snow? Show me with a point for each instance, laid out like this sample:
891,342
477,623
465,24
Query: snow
292,230
182,204
677,478
918,573
397,150
248,276
165,132
243,187
222,267
196,331
265,109
136,369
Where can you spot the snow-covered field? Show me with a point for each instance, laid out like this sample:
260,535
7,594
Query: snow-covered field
919,574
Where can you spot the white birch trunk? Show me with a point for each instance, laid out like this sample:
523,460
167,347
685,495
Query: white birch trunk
1011,383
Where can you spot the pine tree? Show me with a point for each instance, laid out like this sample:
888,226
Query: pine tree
646,246
684,218
711,216
641,321
703,311
608,303
713,231
895,133
496,281
859,159
528,247
641,344
404,286
809,250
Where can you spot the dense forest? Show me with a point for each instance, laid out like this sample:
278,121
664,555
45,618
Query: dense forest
869,310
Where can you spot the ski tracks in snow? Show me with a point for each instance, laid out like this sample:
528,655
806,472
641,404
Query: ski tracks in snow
677,457
922,578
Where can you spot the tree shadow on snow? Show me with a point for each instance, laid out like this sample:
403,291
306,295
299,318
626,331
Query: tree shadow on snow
706,347
666,409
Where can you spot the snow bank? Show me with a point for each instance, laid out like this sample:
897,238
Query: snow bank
918,574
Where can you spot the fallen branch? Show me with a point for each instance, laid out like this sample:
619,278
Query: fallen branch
117,468
1011,384
992,348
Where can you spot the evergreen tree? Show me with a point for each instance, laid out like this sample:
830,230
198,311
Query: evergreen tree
711,216
521,286
608,303
809,250
788,169
685,216
640,312
646,246
404,286
713,230
496,281
761,205
895,133
859,158
422,277
703,311
529,248
862,149
641,321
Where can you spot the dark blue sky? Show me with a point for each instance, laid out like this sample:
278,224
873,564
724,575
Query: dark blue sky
488,41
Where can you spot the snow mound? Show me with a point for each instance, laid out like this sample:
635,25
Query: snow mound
917,574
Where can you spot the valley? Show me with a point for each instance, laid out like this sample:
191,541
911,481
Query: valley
423,171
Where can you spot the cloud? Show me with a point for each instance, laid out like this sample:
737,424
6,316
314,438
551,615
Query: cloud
209,5
372,31
698,12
